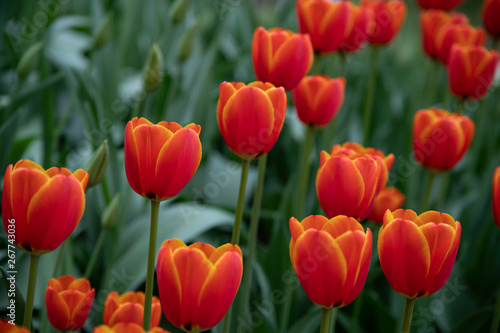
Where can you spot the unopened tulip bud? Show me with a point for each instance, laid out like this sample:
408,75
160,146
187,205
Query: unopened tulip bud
103,32
96,167
188,39
153,71
179,10
29,60
111,213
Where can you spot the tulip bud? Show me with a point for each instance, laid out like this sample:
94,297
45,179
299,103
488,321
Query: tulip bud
179,10
29,60
111,213
187,42
103,32
96,167
153,71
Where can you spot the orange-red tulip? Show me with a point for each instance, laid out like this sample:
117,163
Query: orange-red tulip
6,327
126,328
389,17
129,308
489,12
496,196
327,23
281,56
441,138
68,301
471,70
44,205
387,198
363,26
250,117
439,4
431,22
160,159
349,179
318,99
462,34
197,283
331,258
417,253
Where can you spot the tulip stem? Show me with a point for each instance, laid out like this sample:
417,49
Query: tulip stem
252,240
148,297
496,316
428,191
305,167
367,112
445,178
328,318
434,79
30,295
95,253
136,111
410,303
245,166
316,69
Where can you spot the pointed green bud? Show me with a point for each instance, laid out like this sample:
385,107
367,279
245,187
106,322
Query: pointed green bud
103,31
29,60
111,213
153,71
179,10
96,167
187,42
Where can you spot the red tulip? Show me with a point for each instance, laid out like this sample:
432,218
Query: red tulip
389,17
489,12
318,99
197,283
441,138
417,253
281,57
160,159
126,328
388,198
471,70
325,21
439,4
496,196
7,327
44,206
68,301
462,34
431,22
250,117
363,26
331,258
129,308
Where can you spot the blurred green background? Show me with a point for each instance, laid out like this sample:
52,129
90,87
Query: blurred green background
83,82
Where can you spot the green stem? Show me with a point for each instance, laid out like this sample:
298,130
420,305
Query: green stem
434,79
343,60
357,310
59,259
446,98
445,178
328,317
316,68
367,112
252,240
428,191
95,253
496,316
305,167
48,119
30,295
410,303
245,166
461,105
155,207
138,103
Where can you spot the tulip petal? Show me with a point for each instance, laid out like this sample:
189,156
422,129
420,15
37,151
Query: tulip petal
226,90
262,54
127,313
496,196
59,314
364,265
340,225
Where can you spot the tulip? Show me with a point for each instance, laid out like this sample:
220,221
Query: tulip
126,328
389,17
417,253
441,138
160,159
129,308
68,301
331,258
462,34
44,205
318,99
281,57
489,14
325,21
496,196
197,283
431,22
388,198
363,26
349,179
250,117
471,70
445,5
7,327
